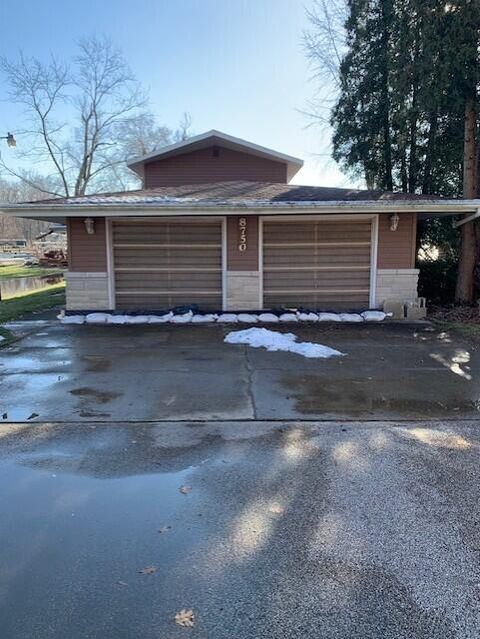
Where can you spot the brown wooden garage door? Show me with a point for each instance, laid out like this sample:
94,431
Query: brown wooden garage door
316,264
164,263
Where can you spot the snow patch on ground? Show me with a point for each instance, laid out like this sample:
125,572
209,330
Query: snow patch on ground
272,341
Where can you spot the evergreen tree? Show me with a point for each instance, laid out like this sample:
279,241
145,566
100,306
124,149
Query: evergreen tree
407,110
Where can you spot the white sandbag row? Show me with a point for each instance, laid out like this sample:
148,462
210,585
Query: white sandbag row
222,318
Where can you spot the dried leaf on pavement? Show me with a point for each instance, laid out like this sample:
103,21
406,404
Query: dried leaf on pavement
185,618
148,570
276,508
185,489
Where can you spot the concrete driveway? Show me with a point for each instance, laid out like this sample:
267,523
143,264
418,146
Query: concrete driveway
65,373
320,498
335,530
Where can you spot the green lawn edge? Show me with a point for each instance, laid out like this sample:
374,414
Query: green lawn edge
14,271
22,306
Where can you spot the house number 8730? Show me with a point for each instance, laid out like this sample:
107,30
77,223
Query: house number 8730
242,227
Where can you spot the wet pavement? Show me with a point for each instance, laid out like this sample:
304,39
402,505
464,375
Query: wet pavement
338,530
111,373
322,498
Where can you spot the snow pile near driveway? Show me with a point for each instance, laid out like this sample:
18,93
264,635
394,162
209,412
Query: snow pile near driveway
272,341
223,318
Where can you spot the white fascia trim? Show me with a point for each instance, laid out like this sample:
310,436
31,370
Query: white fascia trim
452,207
467,219
132,164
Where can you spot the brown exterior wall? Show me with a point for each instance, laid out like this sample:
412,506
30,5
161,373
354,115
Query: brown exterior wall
238,260
86,253
396,249
202,167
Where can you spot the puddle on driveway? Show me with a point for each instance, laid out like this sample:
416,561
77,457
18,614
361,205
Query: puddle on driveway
101,397
96,363
355,397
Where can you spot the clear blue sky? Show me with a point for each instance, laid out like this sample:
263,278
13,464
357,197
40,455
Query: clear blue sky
234,65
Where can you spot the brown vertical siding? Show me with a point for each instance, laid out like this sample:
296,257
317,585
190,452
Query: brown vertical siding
238,260
215,164
86,253
396,249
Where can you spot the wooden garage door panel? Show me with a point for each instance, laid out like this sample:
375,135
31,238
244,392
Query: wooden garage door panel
166,263
316,264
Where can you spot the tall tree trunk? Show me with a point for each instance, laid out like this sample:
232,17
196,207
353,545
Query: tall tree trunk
427,186
403,169
386,9
413,164
464,292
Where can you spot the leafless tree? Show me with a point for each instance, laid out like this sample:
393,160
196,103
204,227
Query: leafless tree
14,227
81,120
324,44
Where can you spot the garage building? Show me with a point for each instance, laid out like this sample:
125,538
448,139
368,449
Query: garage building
219,224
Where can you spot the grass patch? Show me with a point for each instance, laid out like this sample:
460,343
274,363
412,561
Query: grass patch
467,329
14,270
25,304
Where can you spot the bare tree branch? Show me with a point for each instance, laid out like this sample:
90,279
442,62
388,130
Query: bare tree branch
104,106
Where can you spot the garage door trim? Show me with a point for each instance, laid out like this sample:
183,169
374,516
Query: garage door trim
325,218
197,219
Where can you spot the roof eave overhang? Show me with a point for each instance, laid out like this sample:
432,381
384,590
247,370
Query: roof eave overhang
431,207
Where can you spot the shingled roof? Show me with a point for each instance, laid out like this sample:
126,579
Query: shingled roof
236,193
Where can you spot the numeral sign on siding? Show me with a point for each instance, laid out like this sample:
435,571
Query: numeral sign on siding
242,234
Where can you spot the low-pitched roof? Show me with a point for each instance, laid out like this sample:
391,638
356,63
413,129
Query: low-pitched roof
237,192
233,197
212,138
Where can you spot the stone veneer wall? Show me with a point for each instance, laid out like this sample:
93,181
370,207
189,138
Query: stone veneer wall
243,290
87,291
396,284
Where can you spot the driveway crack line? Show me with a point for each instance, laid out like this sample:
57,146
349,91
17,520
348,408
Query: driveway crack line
249,380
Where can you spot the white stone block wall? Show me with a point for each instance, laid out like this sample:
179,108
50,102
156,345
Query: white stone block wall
396,285
87,291
243,290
